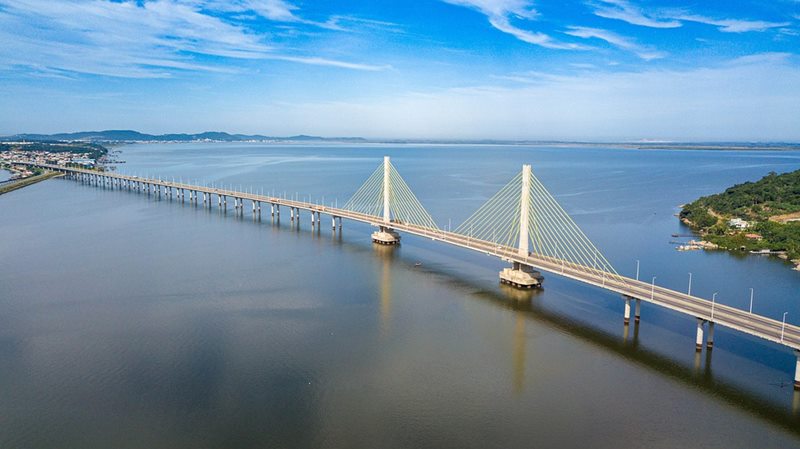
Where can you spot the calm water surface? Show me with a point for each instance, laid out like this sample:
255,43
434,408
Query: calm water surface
133,322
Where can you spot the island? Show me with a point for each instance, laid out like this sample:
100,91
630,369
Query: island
761,217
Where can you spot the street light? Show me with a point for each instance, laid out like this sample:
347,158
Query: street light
751,300
653,288
637,269
783,326
713,301
690,285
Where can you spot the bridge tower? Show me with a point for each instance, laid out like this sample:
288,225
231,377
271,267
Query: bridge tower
385,235
520,275
386,201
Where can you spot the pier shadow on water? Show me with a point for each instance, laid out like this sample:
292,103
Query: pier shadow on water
698,375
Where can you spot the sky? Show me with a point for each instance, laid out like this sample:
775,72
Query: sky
622,70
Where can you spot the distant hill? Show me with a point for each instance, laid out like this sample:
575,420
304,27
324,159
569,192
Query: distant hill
126,135
115,135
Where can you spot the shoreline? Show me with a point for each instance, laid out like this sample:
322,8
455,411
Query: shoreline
25,182
706,245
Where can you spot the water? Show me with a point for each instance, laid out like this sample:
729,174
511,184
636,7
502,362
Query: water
5,175
126,321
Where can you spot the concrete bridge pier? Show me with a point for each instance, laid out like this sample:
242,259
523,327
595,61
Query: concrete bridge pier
627,317
710,336
699,339
797,371
386,236
522,276
637,313
224,203
291,213
333,222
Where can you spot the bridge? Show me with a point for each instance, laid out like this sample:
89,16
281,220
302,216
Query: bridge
522,224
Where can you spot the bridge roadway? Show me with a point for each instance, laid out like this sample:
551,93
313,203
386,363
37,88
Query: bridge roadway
702,309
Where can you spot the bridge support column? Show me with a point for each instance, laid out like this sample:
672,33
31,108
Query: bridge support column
637,310
521,276
627,317
699,340
291,213
710,336
797,371
386,236
333,222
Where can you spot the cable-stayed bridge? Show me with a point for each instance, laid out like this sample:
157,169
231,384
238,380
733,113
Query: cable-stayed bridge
521,224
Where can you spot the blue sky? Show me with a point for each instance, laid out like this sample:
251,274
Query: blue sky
509,69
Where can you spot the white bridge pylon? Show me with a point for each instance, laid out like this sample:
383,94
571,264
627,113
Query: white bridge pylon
524,215
386,197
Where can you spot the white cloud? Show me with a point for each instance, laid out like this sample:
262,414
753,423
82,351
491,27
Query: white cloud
644,52
733,25
500,13
627,12
126,39
754,98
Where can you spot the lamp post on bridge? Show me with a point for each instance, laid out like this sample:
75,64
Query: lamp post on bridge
783,325
653,289
690,285
751,300
713,302
637,269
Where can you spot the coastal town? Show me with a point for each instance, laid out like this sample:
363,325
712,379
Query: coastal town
67,154
14,157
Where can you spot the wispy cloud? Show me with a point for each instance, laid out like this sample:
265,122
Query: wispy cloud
733,25
692,104
627,12
500,13
664,18
137,40
645,52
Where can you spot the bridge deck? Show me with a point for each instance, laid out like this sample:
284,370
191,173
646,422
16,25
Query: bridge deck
749,323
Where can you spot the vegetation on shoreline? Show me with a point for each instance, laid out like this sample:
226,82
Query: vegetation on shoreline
770,209
24,182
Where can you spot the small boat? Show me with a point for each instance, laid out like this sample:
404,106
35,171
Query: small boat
418,264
